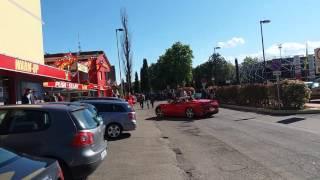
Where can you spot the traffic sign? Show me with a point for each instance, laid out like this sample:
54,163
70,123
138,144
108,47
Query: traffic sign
276,73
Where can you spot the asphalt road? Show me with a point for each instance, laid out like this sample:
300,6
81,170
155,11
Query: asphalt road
230,145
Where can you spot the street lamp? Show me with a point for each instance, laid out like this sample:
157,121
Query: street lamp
119,29
264,58
214,58
214,49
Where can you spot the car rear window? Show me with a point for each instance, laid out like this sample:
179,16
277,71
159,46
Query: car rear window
110,107
85,119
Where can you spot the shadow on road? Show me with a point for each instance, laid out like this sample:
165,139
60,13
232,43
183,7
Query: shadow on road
122,136
291,120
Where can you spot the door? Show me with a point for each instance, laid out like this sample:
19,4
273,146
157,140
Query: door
180,108
24,131
169,109
105,111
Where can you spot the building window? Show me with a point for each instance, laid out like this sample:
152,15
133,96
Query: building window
100,76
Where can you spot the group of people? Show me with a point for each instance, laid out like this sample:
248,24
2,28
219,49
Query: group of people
180,93
146,99
142,99
29,97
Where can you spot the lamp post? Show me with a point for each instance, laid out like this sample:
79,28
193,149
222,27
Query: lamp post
214,49
119,29
264,58
214,58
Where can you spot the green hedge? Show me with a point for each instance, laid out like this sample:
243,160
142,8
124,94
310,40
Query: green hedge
293,95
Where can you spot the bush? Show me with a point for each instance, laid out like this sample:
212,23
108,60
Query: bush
294,94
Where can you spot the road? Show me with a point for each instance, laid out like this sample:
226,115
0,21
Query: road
230,145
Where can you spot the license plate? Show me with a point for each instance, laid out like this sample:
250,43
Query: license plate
211,109
103,154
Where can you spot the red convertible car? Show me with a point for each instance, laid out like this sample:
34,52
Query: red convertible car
188,108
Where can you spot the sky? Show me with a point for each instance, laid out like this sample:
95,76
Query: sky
203,24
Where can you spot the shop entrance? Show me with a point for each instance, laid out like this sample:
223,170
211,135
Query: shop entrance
4,90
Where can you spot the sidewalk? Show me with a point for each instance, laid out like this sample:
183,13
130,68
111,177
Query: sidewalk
143,156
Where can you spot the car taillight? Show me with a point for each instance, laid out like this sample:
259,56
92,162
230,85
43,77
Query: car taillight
83,139
132,116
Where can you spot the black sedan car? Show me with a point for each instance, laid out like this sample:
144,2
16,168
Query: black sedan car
19,166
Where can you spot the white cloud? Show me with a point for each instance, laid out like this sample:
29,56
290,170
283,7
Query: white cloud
233,42
292,48
288,49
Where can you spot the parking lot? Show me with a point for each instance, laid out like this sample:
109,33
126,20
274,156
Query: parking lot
140,154
230,145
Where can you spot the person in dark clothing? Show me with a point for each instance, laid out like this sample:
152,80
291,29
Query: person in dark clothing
142,99
147,100
46,97
25,98
60,97
152,98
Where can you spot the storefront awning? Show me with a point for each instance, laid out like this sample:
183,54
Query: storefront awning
17,65
66,85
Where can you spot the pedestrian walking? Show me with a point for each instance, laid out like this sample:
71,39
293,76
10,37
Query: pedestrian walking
142,99
130,99
25,98
46,97
152,98
147,100
60,97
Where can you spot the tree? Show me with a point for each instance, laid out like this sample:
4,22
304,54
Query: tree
249,61
157,82
248,68
215,71
126,48
144,76
175,66
136,83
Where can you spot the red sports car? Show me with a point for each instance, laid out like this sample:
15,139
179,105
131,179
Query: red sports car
188,108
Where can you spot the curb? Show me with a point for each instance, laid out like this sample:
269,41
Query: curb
271,111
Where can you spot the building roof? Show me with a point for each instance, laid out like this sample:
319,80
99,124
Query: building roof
82,56
74,54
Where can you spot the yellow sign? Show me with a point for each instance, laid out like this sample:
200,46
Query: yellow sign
26,66
82,68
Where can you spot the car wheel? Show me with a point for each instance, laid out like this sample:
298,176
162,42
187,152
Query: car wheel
113,131
189,113
159,112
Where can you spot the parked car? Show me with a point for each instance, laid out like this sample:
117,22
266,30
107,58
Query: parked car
189,108
90,107
20,166
118,116
66,133
104,98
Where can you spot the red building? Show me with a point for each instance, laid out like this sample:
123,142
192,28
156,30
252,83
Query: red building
90,68
16,75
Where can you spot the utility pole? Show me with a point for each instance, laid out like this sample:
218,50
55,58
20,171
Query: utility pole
121,88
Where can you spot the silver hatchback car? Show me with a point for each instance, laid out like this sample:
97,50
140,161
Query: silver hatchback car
67,133
118,116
